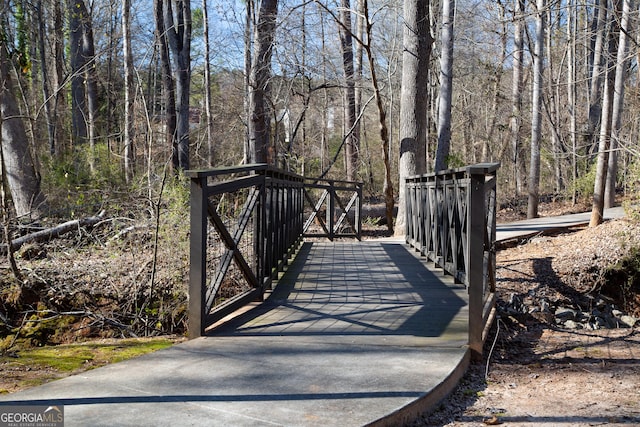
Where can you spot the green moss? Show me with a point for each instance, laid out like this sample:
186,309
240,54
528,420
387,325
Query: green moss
68,358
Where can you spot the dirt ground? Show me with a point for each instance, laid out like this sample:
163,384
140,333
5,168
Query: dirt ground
537,373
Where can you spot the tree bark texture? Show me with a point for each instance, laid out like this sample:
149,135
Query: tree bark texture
19,168
618,105
84,86
597,72
536,107
259,117
129,91
597,209
168,84
417,41
352,146
446,86
516,95
177,24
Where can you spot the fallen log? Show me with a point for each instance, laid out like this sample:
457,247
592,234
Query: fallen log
53,232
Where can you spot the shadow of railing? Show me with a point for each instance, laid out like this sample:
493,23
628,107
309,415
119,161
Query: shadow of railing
383,290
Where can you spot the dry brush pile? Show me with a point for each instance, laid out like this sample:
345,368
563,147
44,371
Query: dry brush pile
123,273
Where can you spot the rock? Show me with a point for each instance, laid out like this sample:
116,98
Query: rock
617,313
565,313
544,306
629,321
570,324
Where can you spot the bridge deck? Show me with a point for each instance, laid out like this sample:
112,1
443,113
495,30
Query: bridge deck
354,333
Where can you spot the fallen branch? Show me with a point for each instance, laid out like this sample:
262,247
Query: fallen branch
53,232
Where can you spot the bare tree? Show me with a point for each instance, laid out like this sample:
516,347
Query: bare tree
84,88
177,25
259,117
446,85
572,30
606,119
129,91
618,104
168,84
417,41
536,107
596,71
18,166
352,146
208,107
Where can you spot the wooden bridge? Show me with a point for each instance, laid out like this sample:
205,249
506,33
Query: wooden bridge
248,222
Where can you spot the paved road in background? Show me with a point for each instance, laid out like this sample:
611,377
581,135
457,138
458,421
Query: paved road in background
531,227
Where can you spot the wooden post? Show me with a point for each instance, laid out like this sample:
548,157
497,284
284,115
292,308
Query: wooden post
198,257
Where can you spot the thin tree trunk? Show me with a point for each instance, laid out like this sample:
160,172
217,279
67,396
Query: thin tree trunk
168,85
129,91
446,86
536,107
618,105
571,91
248,25
207,86
382,117
597,210
46,88
596,73
516,95
346,43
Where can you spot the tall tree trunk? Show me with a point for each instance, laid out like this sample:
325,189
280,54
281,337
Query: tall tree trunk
207,85
536,107
358,82
248,25
259,117
177,23
168,85
49,109
596,73
79,130
446,86
352,146
618,104
59,87
129,91
417,41
516,95
597,209
84,88
572,19
18,167
497,87
382,120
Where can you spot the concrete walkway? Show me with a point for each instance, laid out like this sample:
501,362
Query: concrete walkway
532,227
354,334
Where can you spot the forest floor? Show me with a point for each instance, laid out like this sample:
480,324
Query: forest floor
536,372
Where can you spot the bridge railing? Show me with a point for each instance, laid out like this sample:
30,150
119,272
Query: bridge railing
246,223
451,219
332,208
